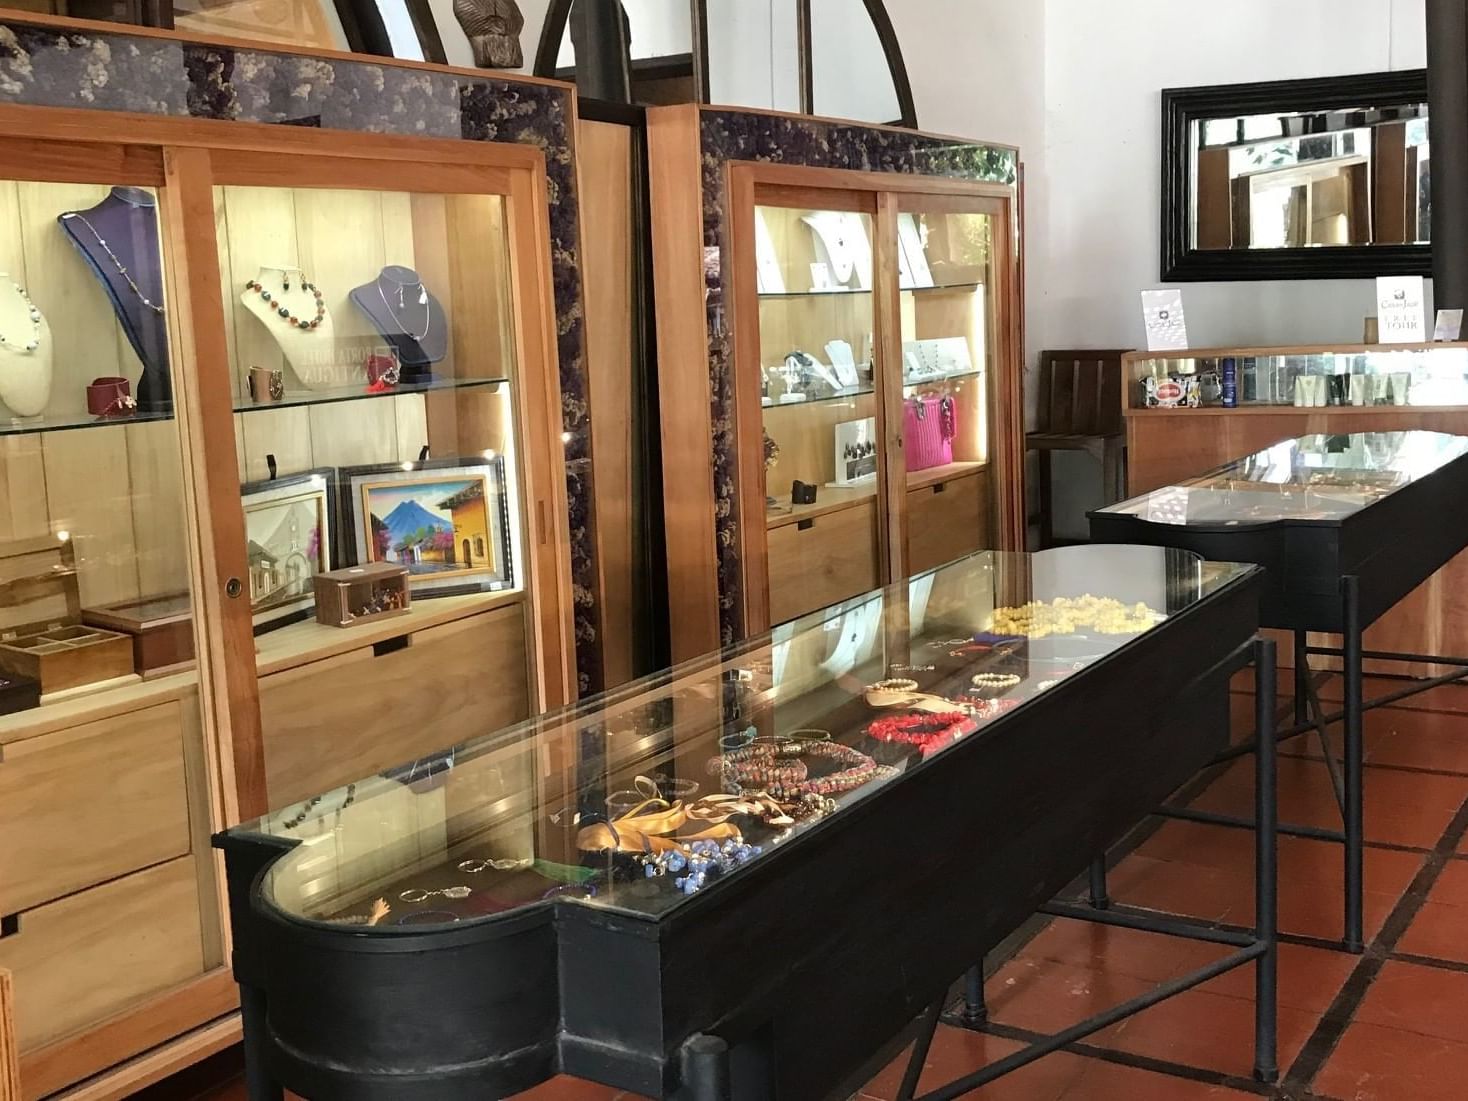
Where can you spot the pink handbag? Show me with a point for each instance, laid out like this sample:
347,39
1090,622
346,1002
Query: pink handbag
928,427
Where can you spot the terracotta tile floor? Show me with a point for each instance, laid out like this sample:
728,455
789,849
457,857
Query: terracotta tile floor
1391,1025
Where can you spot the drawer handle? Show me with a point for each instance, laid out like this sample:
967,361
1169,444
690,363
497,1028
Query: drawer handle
941,487
9,926
804,525
391,645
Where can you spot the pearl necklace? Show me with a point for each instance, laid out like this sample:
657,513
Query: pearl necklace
122,271
35,341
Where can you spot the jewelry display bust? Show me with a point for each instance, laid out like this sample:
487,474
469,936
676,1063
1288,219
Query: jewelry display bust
25,352
408,317
292,309
118,238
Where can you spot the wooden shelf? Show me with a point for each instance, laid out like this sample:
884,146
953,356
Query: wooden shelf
933,475
828,500
1295,410
309,641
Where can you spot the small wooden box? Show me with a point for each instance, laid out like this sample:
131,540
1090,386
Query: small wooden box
68,657
361,594
40,634
161,627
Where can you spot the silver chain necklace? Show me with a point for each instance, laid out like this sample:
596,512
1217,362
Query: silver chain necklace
398,321
121,270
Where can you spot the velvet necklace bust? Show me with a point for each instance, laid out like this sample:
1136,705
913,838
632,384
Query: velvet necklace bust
409,318
118,238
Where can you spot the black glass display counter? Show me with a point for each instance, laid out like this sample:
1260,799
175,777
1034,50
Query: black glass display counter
741,877
1346,526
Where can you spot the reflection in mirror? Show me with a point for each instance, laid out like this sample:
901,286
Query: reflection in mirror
851,77
745,76
1309,179
1326,178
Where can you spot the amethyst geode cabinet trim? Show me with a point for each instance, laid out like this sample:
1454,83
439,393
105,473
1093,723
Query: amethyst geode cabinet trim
44,67
727,136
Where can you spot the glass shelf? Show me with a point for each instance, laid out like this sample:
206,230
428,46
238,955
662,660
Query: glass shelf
845,292
952,376
359,392
940,288
846,393
66,422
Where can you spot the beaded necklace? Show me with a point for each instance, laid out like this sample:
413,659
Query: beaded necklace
294,321
35,318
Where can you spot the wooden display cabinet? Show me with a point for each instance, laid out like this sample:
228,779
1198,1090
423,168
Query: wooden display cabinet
112,921
864,344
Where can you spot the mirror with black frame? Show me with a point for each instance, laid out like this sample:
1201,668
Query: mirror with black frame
1304,179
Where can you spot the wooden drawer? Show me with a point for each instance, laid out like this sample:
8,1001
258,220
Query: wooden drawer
331,722
823,560
93,954
948,520
89,804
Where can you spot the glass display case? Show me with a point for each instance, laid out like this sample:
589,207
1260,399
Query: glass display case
1322,478
1422,376
640,800
234,381
882,346
684,837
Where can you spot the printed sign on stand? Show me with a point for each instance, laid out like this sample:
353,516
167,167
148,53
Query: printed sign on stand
1401,314
1167,329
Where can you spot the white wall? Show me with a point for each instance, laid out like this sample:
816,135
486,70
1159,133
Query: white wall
1107,61
1076,84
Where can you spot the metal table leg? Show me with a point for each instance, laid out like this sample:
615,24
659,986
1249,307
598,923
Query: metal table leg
1266,872
1355,752
975,1009
258,1084
1302,678
1100,900
706,1075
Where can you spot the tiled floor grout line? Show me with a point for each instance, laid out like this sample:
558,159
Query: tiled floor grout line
1327,1036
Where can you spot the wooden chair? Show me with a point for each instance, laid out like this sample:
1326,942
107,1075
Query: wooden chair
1079,409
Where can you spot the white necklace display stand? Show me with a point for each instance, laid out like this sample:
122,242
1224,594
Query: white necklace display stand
25,373
312,354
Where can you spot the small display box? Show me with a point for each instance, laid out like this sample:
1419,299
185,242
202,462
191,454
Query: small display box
361,594
161,629
41,636
18,694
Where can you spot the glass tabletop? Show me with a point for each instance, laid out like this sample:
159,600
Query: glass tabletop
647,797
1320,478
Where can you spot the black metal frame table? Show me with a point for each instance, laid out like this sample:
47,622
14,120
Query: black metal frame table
1346,526
779,978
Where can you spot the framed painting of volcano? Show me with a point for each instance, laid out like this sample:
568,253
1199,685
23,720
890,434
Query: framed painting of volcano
445,520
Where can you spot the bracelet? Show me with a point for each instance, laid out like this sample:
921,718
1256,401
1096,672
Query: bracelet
890,693
427,917
989,709
474,867
923,731
418,894
736,739
1001,681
